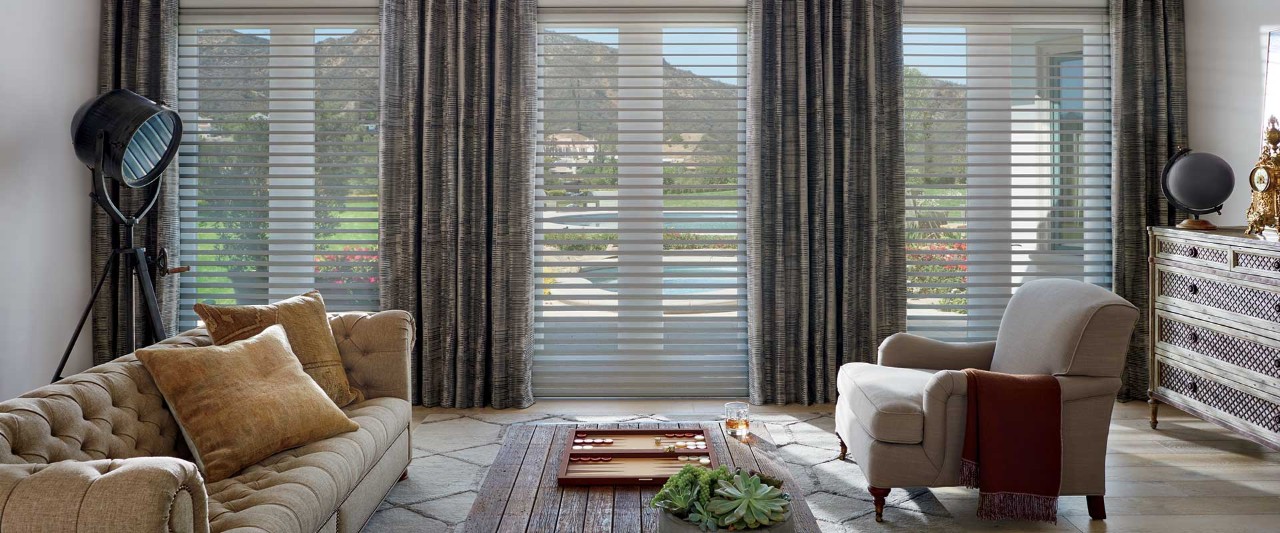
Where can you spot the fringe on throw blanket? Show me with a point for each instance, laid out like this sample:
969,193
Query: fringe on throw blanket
1003,505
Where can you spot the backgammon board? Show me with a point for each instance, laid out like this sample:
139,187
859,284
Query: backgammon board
632,456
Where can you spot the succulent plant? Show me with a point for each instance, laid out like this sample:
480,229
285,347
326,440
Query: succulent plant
700,517
746,502
677,500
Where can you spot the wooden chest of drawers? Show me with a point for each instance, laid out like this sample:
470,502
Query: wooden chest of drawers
1215,328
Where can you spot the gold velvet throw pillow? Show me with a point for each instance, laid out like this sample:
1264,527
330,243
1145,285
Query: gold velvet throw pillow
244,402
307,325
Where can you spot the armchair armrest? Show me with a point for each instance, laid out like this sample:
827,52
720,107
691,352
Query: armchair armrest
376,350
144,494
904,350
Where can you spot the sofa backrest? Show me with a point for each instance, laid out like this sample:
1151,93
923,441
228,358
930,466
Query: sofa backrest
111,411
1064,327
115,411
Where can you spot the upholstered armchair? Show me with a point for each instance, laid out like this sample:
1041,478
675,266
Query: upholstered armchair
903,420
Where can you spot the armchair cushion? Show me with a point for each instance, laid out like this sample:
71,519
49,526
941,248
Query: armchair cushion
888,402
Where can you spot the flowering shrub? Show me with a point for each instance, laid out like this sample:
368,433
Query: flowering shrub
364,271
953,256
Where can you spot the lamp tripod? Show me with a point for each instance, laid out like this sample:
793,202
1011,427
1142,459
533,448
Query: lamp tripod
132,258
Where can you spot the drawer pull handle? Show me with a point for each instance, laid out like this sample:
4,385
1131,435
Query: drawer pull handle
1275,265
1194,289
1193,252
1194,338
1193,387
1277,308
1276,363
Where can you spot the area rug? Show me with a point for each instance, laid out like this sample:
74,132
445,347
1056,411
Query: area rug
452,453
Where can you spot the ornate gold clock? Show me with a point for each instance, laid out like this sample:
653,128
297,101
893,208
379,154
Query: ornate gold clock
1264,210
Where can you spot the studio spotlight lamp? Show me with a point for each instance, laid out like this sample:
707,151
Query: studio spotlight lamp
125,137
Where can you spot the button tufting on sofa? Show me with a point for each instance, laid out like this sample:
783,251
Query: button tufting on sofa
114,412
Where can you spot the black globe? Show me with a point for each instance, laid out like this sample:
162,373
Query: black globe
1198,182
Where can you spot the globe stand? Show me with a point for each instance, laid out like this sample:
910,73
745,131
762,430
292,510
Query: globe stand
1212,185
1196,223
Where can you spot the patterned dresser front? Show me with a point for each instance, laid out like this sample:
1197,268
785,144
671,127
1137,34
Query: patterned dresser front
1215,319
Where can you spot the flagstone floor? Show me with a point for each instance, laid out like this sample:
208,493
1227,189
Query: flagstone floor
1189,476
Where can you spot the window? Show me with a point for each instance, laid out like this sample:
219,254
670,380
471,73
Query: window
279,163
1008,151
640,203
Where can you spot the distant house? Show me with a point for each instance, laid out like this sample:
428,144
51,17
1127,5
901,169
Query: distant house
570,150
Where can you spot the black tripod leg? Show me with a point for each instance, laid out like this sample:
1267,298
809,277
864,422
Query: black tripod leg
66,354
148,293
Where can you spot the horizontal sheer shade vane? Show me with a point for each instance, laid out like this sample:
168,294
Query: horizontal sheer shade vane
278,176
640,232
1008,158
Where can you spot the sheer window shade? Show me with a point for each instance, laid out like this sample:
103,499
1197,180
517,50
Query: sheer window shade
1008,156
279,164
640,203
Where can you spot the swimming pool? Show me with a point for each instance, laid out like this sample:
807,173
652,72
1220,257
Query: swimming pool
733,275
714,220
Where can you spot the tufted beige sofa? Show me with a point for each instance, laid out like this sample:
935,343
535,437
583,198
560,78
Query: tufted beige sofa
100,452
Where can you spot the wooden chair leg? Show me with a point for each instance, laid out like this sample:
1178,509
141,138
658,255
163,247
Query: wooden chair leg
1097,510
1155,410
404,475
844,450
879,494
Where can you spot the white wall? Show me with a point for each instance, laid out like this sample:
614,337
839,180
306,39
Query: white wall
1226,54
48,67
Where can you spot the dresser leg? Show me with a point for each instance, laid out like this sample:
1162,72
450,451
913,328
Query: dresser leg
1155,411
404,475
879,494
844,450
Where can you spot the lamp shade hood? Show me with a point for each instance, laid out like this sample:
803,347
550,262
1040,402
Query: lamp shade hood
140,136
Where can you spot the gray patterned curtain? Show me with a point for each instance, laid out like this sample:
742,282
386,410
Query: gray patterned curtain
457,193
825,193
138,51
1148,120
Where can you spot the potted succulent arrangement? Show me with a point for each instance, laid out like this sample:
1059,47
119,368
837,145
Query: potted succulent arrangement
703,499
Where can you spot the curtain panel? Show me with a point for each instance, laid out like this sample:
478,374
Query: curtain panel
457,160
825,196
138,50
1149,120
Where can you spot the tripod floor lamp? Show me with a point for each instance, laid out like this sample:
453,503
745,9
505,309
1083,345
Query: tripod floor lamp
123,136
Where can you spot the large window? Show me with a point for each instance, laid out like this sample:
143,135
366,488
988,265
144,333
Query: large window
279,162
640,236
1008,159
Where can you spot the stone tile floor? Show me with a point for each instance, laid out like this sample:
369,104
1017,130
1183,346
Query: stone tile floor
452,451
1189,476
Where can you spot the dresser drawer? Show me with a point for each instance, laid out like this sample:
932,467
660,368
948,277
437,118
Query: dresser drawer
1226,400
1193,252
1257,263
1261,356
1261,304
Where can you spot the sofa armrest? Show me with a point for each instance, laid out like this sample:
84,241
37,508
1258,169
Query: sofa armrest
905,350
143,494
376,351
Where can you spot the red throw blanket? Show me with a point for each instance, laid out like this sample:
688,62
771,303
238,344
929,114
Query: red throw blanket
1013,445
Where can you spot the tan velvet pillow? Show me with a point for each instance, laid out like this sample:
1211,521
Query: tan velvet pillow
244,402
307,325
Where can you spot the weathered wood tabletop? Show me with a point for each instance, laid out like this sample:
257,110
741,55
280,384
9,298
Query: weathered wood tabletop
520,491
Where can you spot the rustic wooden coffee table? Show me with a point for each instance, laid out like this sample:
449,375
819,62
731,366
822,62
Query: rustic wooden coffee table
520,492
